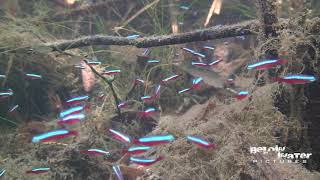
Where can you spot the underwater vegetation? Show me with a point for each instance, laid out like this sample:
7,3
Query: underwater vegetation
144,90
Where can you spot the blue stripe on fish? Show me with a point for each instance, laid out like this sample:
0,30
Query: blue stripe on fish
79,98
2,172
199,140
71,110
49,134
252,66
135,148
197,80
302,77
74,116
157,138
134,159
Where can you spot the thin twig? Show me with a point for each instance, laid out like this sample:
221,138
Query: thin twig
116,99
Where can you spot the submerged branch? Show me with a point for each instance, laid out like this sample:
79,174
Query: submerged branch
216,32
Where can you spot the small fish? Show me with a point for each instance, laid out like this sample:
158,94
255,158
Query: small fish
6,94
101,95
199,54
181,23
296,79
93,62
146,52
112,72
117,170
146,99
133,36
148,112
79,67
53,135
96,152
154,140
213,63
122,105
144,161
184,7
38,171
134,150
200,142
196,83
13,108
266,64
77,100
2,76
73,110
199,64
188,50
157,92
171,78
139,81
2,172
71,119
208,47
153,61
242,94
33,76
184,90
120,136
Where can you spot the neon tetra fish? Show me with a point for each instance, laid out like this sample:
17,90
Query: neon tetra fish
133,36
33,76
199,64
134,150
74,110
120,136
53,135
122,105
77,100
71,119
196,83
112,72
154,140
146,99
153,61
136,81
242,94
144,161
296,79
13,108
208,47
266,64
2,172
213,63
95,152
6,94
184,90
117,170
171,78
93,62
148,112
200,142
38,171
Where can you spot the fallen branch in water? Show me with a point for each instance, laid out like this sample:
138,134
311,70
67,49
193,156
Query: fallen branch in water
216,32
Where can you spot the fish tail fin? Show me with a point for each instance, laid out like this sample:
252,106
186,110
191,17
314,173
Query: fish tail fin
160,158
135,141
87,106
276,79
75,133
60,122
